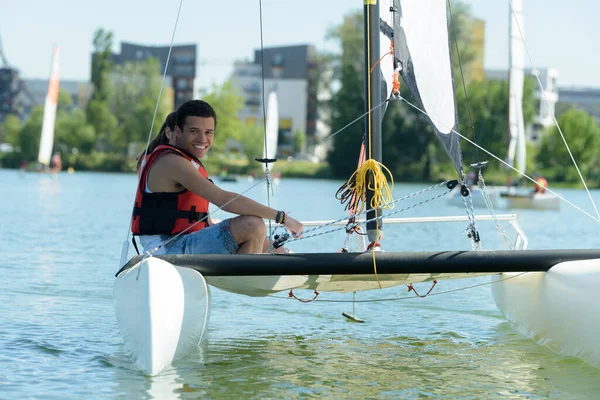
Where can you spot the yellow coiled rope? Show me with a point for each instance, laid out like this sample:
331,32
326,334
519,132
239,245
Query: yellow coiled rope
355,190
357,186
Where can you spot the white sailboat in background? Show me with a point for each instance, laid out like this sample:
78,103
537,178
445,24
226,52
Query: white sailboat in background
272,133
47,137
517,145
162,303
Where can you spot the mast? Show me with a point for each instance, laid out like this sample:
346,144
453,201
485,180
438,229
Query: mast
516,126
372,100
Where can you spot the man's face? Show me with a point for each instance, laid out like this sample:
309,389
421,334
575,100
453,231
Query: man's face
196,137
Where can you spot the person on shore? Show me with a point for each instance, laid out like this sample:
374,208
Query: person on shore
171,205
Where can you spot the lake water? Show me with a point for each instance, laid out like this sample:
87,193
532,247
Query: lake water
61,242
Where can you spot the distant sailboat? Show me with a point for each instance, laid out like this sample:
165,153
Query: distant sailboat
272,131
47,137
516,124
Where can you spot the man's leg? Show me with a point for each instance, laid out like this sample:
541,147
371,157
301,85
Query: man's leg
249,233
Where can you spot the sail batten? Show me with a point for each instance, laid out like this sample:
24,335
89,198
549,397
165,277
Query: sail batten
47,137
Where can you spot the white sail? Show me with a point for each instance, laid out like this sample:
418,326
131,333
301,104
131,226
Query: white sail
47,138
425,26
272,127
516,81
387,59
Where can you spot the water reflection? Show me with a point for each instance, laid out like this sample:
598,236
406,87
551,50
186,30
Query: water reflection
445,365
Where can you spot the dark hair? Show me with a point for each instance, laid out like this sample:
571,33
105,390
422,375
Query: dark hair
160,139
195,108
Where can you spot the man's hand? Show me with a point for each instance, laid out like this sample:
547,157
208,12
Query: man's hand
295,227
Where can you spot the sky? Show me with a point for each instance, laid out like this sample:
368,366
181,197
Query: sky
559,34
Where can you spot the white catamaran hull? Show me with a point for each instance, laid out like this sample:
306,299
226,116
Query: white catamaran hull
162,311
558,308
537,201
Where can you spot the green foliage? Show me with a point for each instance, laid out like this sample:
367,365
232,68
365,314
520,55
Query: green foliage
347,105
134,92
227,102
101,63
97,161
582,135
30,133
303,169
299,141
72,134
253,140
102,120
11,129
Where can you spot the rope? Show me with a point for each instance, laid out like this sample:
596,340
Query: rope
305,234
410,297
411,288
293,296
356,187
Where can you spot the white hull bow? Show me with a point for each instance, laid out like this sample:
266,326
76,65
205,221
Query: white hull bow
162,311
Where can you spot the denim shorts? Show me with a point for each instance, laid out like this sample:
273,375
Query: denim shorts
215,239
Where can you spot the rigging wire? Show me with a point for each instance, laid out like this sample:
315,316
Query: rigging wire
462,76
162,84
553,115
262,79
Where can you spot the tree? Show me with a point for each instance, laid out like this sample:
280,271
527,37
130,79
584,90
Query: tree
97,113
346,105
582,134
12,128
299,141
227,102
29,135
101,63
253,139
73,134
134,90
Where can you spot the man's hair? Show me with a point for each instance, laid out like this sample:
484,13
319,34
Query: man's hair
195,108
159,139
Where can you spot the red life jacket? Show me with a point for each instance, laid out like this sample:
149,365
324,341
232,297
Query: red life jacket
168,213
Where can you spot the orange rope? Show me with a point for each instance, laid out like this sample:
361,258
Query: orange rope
292,295
378,61
410,287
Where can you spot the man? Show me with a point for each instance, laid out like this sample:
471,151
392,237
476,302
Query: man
174,192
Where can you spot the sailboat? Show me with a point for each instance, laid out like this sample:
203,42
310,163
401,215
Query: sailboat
514,198
47,137
272,133
162,303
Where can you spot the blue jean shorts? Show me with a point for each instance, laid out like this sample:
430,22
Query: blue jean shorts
215,239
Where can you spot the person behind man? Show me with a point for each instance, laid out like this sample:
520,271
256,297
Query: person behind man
163,137
174,192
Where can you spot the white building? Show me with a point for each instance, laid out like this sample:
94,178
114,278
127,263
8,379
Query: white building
287,71
546,96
